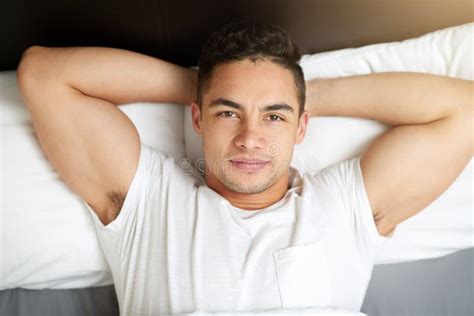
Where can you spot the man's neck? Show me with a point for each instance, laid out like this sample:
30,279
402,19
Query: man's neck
248,201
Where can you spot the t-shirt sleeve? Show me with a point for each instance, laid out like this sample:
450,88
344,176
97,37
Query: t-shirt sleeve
345,179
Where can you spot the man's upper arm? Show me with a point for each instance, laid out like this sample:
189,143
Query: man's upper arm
92,145
409,166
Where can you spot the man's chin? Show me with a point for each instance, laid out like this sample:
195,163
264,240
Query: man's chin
247,189
253,183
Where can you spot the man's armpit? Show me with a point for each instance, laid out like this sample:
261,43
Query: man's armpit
116,199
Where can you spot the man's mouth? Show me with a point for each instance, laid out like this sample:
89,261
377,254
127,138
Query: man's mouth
249,165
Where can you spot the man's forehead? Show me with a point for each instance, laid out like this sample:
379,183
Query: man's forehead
249,67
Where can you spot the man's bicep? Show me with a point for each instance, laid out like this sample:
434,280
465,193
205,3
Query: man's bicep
409,166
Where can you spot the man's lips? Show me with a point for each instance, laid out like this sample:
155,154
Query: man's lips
252,161
249,165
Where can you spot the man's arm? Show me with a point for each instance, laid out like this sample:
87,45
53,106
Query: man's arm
429,145
115,75
71,94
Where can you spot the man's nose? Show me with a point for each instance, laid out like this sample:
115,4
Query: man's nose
249,136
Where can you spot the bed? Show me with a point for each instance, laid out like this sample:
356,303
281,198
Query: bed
50,260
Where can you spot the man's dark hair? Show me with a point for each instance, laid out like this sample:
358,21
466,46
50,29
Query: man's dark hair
255,41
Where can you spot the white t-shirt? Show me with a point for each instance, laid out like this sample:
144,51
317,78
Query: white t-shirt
177,246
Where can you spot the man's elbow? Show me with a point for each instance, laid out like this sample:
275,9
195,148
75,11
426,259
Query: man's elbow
466,119
466,97
463,112
469,113
30,64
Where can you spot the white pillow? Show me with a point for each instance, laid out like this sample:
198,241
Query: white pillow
47,237
444,226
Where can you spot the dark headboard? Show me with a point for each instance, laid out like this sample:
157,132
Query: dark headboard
175,29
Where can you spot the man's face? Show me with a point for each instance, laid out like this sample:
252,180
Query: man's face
249,125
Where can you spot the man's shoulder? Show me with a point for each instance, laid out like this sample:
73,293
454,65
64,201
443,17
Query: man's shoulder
335,178
163,164
334,171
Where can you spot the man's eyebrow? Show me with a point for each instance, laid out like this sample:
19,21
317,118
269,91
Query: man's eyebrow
222,101
235,105
279,106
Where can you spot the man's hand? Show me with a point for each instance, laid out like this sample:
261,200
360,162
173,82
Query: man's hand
413,163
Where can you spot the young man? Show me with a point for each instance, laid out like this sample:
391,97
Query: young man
251,234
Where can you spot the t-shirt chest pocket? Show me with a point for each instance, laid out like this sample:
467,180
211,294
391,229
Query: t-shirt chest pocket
303,275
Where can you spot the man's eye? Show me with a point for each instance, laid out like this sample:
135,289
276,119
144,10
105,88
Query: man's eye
274,117
226,114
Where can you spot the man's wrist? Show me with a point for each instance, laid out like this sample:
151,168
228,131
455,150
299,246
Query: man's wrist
192,96
313,97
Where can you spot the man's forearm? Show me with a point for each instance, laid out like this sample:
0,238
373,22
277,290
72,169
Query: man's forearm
116,75
394,98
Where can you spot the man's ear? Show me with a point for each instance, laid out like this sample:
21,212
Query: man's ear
196,117
302,125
